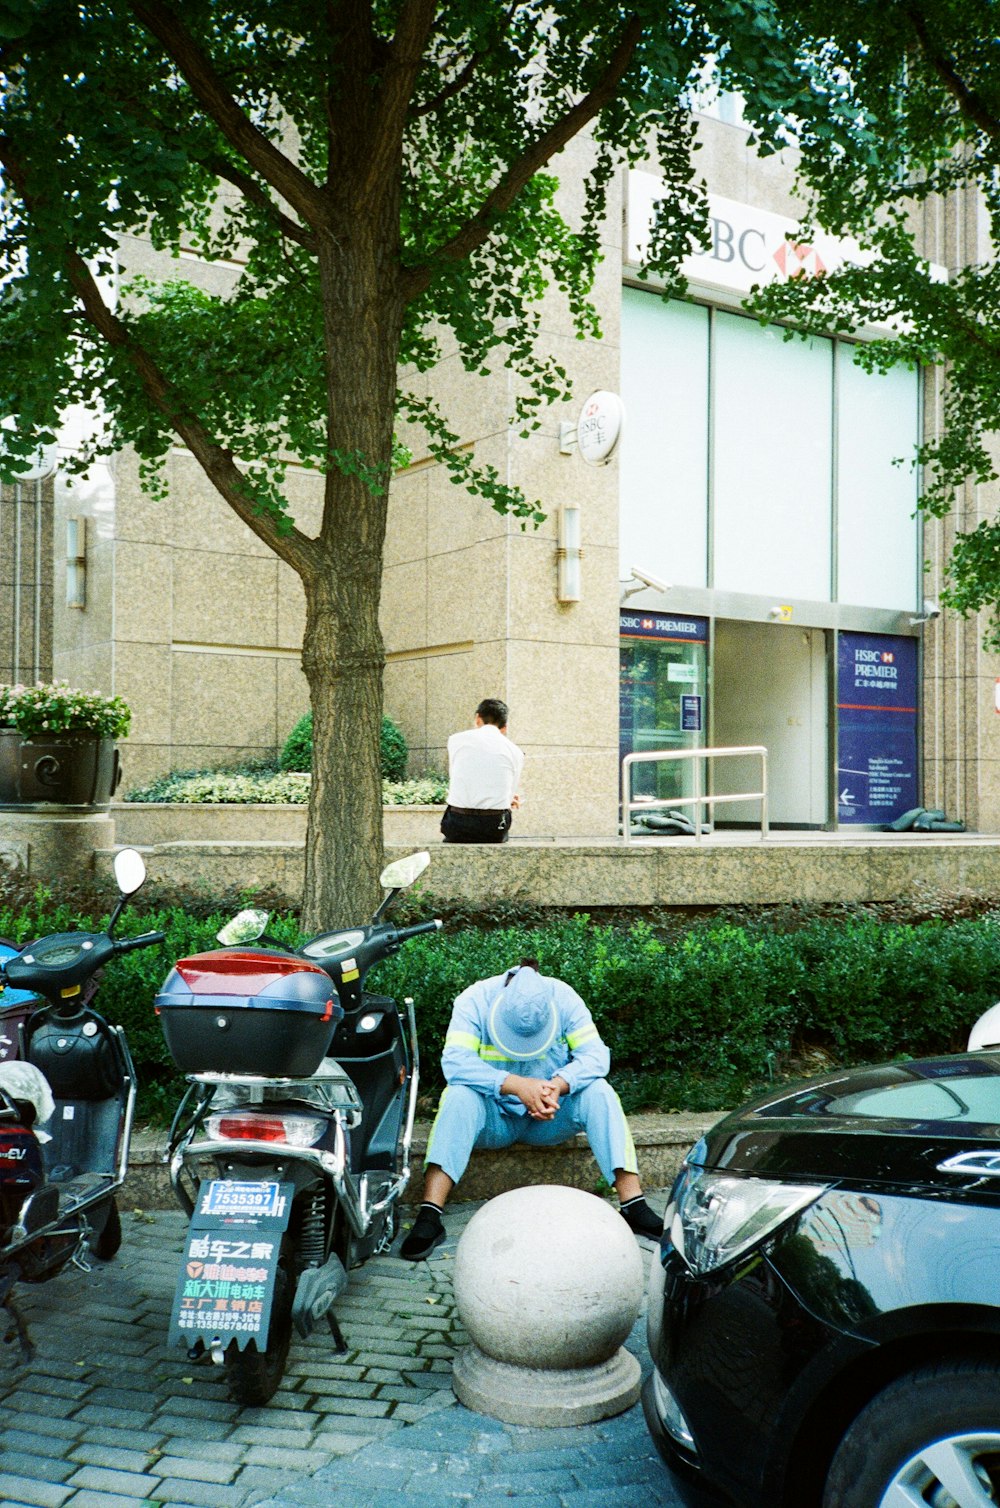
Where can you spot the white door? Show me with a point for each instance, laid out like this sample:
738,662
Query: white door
770,687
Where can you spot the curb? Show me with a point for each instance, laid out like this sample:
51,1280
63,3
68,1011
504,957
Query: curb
661,1142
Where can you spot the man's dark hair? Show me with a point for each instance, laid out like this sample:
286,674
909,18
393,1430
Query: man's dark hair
493,711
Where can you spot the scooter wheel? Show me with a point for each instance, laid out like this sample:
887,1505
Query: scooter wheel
253,1376
106,1244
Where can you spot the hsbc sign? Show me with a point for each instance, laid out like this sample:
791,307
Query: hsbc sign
747,246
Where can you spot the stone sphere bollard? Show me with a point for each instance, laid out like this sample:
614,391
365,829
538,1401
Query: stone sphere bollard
548,1283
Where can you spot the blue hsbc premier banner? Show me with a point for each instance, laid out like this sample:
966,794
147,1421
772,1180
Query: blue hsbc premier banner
876,727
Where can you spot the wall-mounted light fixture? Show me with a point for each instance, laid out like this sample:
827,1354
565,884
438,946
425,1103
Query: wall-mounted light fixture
568,554
76,562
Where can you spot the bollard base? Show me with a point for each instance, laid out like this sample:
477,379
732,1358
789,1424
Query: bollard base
542,1397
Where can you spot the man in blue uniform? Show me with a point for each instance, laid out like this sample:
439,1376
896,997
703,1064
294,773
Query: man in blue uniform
524,1063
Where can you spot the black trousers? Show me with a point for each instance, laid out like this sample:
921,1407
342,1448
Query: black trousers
466,824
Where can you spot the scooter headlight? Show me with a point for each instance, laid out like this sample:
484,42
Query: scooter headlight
715,1218
292,1130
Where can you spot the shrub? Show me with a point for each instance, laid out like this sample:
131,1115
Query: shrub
285,787
297,753
58,708
695,1022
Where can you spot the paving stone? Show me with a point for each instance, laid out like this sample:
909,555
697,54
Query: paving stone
124,1483
34,1493
199,1471
41,1468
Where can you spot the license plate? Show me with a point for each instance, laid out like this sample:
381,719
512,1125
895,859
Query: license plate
243,1199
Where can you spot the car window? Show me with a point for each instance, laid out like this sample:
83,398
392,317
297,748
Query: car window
932,1091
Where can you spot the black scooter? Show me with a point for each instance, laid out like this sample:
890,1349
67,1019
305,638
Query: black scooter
290,1149
66,1107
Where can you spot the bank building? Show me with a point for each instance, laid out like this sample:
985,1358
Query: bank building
746,569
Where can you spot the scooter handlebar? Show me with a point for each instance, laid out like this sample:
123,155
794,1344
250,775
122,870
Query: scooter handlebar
406,932
145,940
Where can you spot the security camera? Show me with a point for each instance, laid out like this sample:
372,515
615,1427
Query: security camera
931,611
648,580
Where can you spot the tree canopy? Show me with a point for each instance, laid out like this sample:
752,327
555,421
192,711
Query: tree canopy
916,127
370,173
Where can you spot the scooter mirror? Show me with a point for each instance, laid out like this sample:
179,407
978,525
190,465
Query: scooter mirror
130,871
245,926
403,872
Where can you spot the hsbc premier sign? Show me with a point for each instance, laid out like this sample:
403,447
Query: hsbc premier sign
748,246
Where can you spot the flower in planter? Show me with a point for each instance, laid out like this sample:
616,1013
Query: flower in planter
34,711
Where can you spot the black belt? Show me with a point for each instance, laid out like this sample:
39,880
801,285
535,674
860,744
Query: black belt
479,811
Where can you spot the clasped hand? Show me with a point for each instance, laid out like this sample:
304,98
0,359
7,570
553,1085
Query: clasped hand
540,1097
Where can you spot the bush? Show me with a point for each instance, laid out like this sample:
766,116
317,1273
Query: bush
297,753
695,1022
285,787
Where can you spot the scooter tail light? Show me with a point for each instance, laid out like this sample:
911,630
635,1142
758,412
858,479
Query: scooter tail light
292,1130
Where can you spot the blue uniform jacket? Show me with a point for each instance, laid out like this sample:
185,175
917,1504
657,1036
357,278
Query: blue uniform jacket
577,1055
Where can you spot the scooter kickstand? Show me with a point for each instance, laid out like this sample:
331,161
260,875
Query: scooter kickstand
18,1329
339,1343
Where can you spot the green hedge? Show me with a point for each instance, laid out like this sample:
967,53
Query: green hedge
393,751
694,1023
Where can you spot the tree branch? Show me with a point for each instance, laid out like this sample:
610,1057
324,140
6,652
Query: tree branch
970,103
294,186
295,548
458,83
414,280
255,195
399,79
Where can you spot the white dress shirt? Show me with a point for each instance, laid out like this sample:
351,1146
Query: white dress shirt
484,769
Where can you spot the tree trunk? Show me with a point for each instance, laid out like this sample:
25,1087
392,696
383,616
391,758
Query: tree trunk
343,656
342,652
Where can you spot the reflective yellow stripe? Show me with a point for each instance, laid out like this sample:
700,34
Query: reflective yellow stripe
463,1039
494,1055
631,1160
577,1039
430,1140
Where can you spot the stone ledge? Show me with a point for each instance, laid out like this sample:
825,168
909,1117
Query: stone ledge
661,1142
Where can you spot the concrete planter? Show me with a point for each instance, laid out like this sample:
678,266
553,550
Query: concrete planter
64,769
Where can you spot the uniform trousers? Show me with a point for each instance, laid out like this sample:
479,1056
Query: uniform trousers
467,1119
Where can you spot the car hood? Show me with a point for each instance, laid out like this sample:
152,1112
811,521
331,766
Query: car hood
889,1124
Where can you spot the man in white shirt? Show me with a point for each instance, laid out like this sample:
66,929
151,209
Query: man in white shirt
484,771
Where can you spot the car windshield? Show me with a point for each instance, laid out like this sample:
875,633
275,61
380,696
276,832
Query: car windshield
966,1091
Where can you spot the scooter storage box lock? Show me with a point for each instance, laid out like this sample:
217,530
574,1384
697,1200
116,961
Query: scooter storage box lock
247,1012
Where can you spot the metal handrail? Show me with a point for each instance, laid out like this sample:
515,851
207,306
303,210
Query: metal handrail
700,799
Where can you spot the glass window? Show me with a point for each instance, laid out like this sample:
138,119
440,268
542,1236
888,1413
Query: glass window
773,461
877,539
664,455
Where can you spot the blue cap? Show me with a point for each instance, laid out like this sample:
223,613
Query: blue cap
523,1019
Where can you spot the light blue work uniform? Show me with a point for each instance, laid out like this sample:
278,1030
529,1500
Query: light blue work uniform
473,1113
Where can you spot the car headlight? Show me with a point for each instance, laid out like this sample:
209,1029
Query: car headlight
714,1218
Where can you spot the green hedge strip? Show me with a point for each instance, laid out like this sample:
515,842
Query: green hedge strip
695,1023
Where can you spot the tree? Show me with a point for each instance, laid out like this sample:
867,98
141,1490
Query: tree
916,91
380,166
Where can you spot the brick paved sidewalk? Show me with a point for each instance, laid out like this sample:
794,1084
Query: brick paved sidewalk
105,1415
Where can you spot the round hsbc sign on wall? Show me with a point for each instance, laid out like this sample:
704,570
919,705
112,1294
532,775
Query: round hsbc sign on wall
599,427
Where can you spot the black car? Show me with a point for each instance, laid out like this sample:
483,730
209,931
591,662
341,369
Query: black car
825,1320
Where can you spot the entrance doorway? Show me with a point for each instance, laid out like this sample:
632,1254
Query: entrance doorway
770,686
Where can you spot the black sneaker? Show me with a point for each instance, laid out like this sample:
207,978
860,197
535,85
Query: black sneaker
641,1219
426,1232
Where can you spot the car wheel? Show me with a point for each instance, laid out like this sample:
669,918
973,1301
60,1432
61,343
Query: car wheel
932,1437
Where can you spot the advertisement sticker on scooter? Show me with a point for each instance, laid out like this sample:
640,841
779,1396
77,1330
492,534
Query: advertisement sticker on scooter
225,1288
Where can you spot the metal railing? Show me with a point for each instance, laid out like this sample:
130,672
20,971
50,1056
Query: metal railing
701,798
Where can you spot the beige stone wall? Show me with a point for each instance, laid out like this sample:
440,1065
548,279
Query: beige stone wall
961,726
469,603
